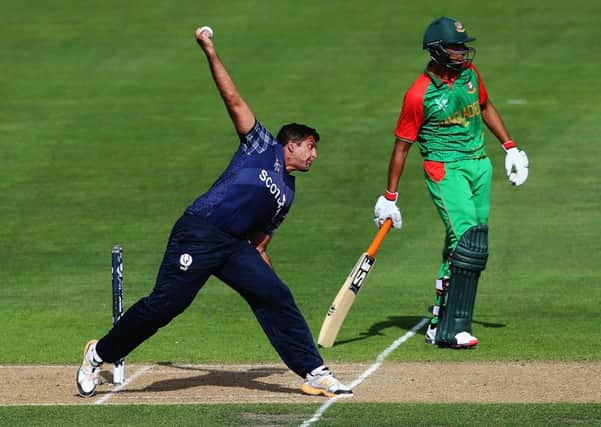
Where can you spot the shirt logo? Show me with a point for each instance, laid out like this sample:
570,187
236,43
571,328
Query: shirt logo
470,87
277,165
442,103
185,261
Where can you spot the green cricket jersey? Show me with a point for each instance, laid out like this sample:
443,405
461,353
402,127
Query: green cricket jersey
444,117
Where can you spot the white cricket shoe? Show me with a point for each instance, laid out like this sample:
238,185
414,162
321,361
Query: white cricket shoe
321,382
430,335
88,374
464,340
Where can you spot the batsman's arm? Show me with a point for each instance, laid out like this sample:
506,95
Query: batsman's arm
494,122
386,205
516,160
241,114
397,163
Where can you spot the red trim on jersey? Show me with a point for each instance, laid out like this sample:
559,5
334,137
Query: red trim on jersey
482,93
412,113
435,170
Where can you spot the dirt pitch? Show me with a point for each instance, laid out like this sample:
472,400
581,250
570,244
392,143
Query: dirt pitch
165,383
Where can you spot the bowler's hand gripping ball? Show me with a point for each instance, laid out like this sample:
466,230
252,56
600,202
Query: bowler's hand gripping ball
206,28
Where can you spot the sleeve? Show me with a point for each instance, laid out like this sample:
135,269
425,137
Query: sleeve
411,117
257,140
482,93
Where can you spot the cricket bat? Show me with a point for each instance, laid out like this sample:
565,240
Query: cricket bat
350,288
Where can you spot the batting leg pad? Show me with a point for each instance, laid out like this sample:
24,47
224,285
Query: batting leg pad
467,262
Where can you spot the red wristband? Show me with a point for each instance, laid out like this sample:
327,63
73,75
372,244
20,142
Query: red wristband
509,144
391,196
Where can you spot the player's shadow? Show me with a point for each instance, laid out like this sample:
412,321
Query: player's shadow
249,379
401,322
489,324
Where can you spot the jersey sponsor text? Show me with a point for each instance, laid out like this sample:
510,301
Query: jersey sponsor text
274,190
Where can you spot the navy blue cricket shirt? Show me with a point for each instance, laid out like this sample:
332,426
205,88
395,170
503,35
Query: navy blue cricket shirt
255,191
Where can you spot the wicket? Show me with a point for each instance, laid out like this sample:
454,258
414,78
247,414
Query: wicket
117,269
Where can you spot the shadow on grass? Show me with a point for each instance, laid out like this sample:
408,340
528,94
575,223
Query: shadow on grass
402,322
250,379
489,324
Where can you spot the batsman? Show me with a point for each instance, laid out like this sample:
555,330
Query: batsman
444,112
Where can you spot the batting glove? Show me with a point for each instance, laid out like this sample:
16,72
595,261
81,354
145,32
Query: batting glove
516,163
386,208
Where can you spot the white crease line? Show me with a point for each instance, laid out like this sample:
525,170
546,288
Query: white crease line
317,415
120,387
379,360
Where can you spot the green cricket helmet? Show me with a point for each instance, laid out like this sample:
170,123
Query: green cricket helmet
443,32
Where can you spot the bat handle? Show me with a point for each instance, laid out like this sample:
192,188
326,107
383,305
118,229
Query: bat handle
375,244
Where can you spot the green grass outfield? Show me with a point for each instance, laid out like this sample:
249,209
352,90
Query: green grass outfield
111,125
366,414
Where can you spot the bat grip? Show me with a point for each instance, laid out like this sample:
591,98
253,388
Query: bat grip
375,244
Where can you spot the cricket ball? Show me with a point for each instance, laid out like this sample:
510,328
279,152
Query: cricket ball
206,28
